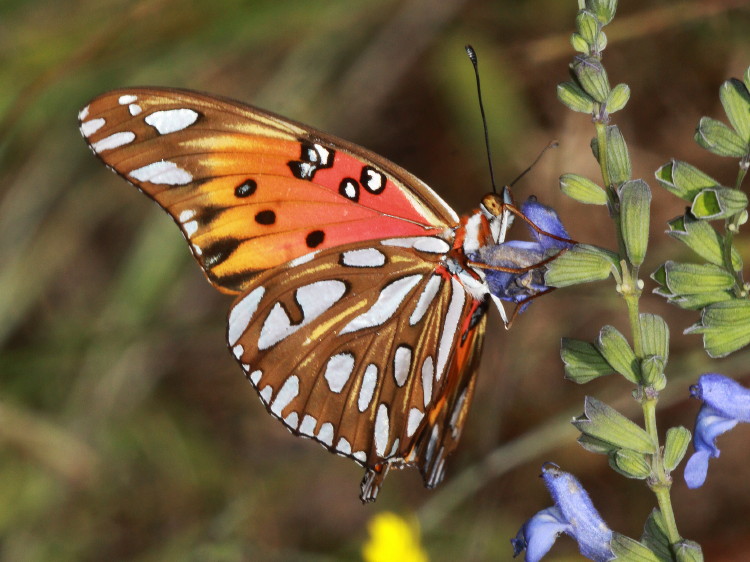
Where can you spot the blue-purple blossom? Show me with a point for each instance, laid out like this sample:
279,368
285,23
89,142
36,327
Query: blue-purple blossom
725,403
519,254
572,514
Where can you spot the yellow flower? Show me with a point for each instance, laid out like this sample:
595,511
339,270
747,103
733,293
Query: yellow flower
393,538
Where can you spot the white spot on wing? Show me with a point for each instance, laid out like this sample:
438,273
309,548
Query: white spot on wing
307,427
382,429
401,364
388,302
266,394
324,155
186,215
255,377
325,434
287,393
126,99
366,391
428,372
113,141
83,113
366,257
88,128
425,299
427,244
190,228
344,447
361,456
338,370
134,109
450,326
171,120
415,417
162,173
314,299
292,420
238,350
242,313
302,259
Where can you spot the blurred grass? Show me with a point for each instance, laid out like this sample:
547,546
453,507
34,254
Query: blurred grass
127,431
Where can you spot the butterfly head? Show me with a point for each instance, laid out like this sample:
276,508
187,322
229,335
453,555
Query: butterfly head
497,209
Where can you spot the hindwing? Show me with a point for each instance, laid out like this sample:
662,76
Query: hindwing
368,348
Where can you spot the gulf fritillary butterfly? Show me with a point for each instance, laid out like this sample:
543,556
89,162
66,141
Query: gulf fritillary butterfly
361,295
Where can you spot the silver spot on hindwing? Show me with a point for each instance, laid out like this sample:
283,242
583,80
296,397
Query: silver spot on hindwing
288,392
401,364
382,430
338,370
366,391
242,313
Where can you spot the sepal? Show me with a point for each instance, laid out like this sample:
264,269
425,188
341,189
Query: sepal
718,203
582,189
716,137
635,208
677,441
630,464
630,550
691,279
604,10
573,96
617,351
582,360
725,327
592,77
618,98
581,264
703,239
618,159
655,536
736,101
588,27
688,551
607,424
683,180
655,336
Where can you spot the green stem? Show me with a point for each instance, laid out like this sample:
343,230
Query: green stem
660,483
665,506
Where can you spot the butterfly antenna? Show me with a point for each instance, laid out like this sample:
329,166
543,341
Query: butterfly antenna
553,144
473,58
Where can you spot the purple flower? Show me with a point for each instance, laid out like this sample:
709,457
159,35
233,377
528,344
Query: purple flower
572,514
725,403
519,254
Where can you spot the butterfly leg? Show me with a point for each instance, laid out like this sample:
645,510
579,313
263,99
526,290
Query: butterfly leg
372,481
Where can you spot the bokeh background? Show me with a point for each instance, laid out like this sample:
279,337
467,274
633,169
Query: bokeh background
127,431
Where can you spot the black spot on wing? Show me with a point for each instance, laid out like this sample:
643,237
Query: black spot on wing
246,188
315,238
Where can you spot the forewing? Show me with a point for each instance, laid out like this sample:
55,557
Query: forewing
251,190
364,348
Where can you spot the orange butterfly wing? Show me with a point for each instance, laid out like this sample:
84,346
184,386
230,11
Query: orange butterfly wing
251,190
355,335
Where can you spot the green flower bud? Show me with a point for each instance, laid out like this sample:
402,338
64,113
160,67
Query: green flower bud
582,189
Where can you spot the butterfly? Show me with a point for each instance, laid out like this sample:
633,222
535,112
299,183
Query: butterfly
361,296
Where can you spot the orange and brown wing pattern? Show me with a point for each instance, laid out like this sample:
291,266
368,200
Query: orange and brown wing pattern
361,348
251,190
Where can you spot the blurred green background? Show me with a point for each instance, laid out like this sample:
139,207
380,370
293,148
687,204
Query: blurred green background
127,431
